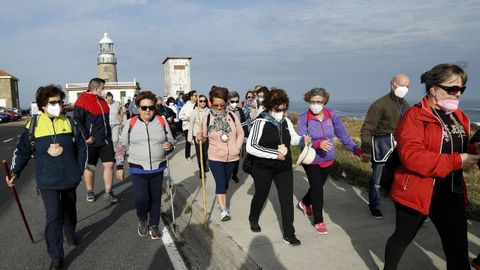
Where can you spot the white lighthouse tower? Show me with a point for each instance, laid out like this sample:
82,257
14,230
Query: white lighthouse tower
106,60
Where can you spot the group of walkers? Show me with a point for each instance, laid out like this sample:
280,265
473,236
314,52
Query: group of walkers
429,140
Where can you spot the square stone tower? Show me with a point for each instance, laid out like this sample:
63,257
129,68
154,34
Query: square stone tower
176,71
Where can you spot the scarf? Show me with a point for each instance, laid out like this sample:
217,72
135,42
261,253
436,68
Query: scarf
220,122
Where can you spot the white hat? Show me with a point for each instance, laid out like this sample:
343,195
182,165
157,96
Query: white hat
307,156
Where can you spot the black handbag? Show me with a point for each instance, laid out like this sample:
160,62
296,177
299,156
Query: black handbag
383,146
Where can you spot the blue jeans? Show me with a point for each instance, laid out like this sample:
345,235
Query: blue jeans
374,186
222,173
148,196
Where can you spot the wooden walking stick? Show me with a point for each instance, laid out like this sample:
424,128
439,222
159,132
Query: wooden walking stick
17,200
202,170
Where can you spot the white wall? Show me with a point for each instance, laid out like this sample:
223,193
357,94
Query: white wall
176,80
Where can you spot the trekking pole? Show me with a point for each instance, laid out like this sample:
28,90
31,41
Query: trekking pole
17,200
202,171
170,189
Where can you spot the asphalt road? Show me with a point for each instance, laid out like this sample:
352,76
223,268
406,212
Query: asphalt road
107,233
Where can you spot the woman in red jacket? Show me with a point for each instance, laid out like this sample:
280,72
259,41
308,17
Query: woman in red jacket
432,144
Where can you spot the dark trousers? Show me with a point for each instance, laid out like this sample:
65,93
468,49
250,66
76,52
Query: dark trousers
187,144
235,169
222,173
317,177
148,195
284,182
61,215
204,153
448,215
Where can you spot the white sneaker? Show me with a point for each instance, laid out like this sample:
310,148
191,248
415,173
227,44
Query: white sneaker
189,159
225,216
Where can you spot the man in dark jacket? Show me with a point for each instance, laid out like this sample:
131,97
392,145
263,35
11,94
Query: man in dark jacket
91,112
382,118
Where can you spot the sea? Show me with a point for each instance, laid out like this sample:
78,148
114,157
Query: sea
358,109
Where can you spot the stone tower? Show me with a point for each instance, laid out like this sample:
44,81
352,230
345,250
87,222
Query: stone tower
106,61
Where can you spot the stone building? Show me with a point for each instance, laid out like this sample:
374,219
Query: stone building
107,70
9,96
176,73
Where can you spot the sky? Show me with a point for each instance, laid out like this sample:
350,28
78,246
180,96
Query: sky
352,48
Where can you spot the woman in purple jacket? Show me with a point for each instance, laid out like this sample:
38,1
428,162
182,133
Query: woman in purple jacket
322,125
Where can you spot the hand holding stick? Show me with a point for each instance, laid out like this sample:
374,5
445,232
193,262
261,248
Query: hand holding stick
9,179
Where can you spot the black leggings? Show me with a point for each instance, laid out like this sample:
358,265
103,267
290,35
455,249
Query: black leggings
317,177
284,182
187,144
447,213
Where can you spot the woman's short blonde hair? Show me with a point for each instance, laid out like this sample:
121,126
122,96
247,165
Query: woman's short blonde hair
317,92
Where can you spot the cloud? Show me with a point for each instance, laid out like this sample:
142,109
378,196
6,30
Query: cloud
292,44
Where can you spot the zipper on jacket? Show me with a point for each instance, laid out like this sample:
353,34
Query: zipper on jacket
103,116
406,183
149,150
325,136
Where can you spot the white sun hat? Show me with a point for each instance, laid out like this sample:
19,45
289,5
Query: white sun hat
307,155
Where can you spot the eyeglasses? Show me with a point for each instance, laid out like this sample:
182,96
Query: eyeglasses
202,101
249,97
218,105
55,102
280,110
453,90
145,108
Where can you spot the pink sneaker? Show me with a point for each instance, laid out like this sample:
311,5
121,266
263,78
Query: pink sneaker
307,209
321,228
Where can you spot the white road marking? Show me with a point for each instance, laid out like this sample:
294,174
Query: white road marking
172,251
8,140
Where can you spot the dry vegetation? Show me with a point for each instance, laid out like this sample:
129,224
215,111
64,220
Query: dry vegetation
350,169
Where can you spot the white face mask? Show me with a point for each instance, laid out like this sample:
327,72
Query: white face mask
401,91
316,108
103,94
260,99
53,110
234,105
277,116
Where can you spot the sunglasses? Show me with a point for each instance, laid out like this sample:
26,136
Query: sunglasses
249,97
218,105
202,101
233,101
55,102
453,90
280,110
145,108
